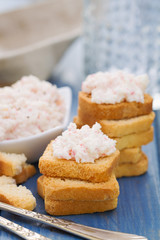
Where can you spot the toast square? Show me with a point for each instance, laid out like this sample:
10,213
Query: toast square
130,155
99,171
135,139
119,128
28,171
78,207
90,112
72,189
132,169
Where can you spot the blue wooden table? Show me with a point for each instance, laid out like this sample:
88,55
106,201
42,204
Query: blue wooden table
138,210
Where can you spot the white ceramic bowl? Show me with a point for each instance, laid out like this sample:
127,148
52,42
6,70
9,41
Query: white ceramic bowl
33,39
34,146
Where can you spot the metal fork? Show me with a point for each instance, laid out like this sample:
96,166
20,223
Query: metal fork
21,231
71,227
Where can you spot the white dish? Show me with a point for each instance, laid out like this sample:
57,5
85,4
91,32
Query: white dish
34,146
33,39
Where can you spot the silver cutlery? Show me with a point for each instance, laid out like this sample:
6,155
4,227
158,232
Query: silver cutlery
20,231
71,227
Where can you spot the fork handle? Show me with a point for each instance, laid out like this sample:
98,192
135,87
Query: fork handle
20,231
72,227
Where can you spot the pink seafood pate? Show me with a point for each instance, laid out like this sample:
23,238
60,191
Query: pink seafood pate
83,145
28,107
115,87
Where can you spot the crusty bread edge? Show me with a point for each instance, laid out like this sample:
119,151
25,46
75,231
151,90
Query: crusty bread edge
100,171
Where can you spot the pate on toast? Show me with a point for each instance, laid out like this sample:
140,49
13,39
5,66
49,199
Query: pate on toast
99,171
90,112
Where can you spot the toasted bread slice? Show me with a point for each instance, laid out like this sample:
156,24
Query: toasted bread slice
130,155
99,171
17,196
27,171
72,189
132,169
119,128
11,164
89,112
56,207
135,139
14,165
40,186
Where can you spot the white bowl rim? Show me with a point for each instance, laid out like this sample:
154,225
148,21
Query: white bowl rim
62,90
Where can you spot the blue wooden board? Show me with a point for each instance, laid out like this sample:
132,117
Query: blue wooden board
138,210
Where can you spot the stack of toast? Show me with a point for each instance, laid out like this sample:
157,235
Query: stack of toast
69,187
129,123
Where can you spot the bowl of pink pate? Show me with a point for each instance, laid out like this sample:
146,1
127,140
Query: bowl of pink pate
32,112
